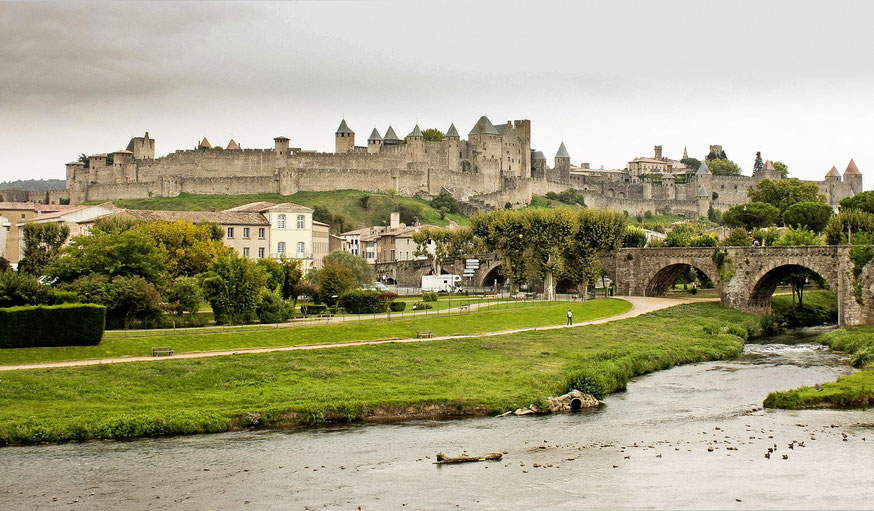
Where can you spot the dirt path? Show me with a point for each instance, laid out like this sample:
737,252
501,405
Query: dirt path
640,305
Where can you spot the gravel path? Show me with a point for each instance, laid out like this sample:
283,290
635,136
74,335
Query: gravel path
640,305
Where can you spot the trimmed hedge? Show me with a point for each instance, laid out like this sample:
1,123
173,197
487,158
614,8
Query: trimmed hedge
397,306
52,325
359,301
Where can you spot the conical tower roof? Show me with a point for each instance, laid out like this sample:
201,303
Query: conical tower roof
232,146
452,132
484,126
205,143
685,153
344,128
702,192
416,132
390,135
562,152
833,172
703,170
852,168
538,155
374,135
769,165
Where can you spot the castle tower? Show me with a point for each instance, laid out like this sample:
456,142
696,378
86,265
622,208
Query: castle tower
853,178
538,165
281,145
75,171
374,142
391,138
484,143
451,133
833,175
344,138
142,147
771,172
703,201
658,152
416,143
453,155
563,164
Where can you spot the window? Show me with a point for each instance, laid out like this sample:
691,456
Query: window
246,232
280,222
300,221
246,252
392,254
261,233
300,249
280,248
230,232
260,252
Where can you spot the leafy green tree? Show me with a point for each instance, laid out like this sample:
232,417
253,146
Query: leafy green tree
847,227
782,167
862,202
723,167
765,237
634,237
738,237
119,222
798,279
751,215
596,232
785,192
334,279
716,155
445,201
798,237
23,289
432,135
364,200
409,213
232,285
188,248
274,272
442,244
127,253
503,231
692,163
362,273
185,295
292,274
548,233
42,244
812,215
272,308
133,299
714,215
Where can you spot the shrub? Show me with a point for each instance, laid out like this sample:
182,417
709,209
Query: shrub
737,237
429,296
589,382
23,289
421,306
65,297
52,325
273,309
634,237
397,306
185,295
359,301
232,286
769,324
313,308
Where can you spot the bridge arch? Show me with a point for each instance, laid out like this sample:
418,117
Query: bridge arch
767,280
662,280
493,274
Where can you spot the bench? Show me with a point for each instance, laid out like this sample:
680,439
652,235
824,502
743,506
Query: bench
465,307
162,350
424,333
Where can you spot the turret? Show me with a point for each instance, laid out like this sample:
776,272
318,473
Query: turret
75,171
486,139
771,172
204,144
374,142
233,146
96,161
416,143
451,133
853,177
657,150
281,145
703,201
538,165
453,155
143,147
833,175
344,138
563,164
121,158
391,138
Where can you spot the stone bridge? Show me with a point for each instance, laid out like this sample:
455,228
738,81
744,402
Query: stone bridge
745,277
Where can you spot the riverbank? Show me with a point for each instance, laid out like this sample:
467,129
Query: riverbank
850,391
476,376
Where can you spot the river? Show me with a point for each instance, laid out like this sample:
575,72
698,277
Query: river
681,438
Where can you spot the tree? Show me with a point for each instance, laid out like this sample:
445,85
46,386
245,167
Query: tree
595,232
23,289
798,237
42,243
799,278
232,285
548,234
765,237
751,215
810,215
361,272
782,167
409,213
132,298
689,234
692,163
634,237
785,192
723,167
503,231
847,227
738,237
758,165
185,295
188,248
292,274
432,135
123,254
442,244
445,201
334,279
862,202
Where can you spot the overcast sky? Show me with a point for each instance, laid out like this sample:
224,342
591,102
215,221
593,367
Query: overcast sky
793,79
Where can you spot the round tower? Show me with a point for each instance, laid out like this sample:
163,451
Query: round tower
453,155
374,142
416,143
344,138
563,164
853,178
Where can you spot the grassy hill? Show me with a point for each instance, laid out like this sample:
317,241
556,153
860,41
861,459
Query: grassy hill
347,207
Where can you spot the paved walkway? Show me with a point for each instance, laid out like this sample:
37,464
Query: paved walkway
640,305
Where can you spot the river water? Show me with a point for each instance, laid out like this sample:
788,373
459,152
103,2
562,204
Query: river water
649,447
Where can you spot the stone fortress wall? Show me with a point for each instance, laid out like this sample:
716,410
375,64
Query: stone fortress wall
494,166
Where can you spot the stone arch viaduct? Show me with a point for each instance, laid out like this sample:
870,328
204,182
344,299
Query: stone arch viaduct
745,277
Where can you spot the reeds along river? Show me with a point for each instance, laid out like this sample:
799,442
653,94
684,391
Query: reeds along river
682,438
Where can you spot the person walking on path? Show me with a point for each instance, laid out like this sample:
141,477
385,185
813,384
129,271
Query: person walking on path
570,317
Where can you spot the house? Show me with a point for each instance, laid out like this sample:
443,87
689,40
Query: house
16,212
76,218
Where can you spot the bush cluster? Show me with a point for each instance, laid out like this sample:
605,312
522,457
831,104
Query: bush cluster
53,325
429,296
360,301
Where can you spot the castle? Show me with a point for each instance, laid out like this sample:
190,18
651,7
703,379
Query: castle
494,166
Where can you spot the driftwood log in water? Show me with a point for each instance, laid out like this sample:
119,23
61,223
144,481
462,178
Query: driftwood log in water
464,458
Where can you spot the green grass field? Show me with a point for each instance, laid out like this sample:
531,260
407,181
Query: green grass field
470,376
854,390
339,202
140,343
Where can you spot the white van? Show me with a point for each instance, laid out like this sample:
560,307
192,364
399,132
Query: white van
440,283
